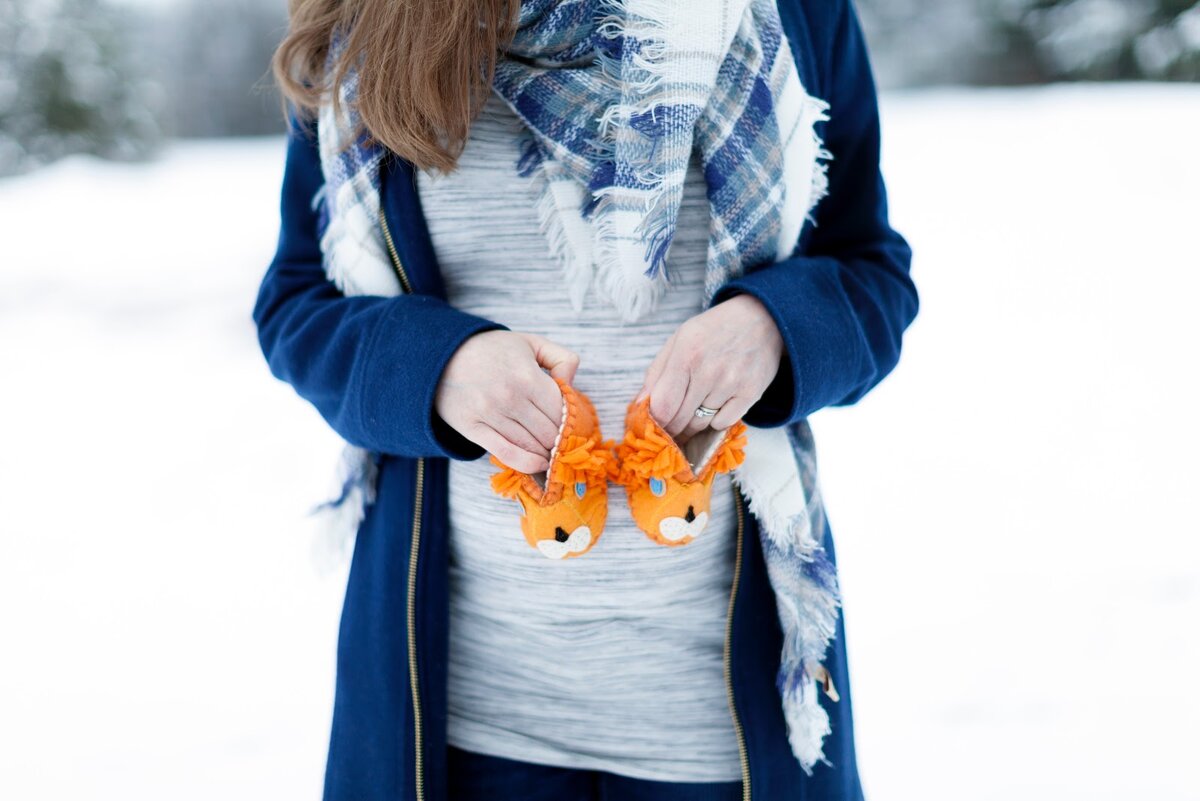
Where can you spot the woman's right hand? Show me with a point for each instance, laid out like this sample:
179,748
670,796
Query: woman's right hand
495,392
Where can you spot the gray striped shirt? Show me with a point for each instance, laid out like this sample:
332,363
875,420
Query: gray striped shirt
612,660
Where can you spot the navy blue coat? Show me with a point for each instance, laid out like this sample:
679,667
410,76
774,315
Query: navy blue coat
370,365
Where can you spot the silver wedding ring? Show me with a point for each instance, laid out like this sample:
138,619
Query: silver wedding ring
704,411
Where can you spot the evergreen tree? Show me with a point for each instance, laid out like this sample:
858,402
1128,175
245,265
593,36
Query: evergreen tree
68,84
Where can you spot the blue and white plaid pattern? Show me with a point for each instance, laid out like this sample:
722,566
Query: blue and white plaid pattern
616,96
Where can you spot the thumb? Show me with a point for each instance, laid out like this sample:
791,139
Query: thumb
561,362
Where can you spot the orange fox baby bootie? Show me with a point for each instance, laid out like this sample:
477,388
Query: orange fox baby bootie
669,487
564,508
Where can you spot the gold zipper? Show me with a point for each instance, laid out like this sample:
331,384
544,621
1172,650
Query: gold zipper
391,248
411,604
743,754
413,554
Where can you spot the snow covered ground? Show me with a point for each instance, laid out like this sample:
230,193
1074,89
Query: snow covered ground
1015,508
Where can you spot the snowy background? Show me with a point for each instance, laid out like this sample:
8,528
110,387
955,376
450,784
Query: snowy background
1014,508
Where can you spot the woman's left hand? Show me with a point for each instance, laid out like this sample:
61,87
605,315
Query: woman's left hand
723,358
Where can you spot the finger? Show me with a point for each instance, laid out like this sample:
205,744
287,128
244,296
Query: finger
713,400
732,410
655,370
537,423
667,393
561,362
509,454
512,430
548,399
698,389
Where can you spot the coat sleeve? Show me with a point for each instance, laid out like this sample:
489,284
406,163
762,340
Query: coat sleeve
843,302
369,364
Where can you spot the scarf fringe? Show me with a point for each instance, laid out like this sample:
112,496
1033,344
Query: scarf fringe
816,111
552,219
635,71
776,492
805,159
808,612
808,726
348,208
619,280
337,519
353,231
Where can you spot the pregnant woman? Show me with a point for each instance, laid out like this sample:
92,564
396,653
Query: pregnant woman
569,276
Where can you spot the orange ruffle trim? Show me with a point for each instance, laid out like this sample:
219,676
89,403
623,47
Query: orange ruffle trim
578,459
655,453
732,451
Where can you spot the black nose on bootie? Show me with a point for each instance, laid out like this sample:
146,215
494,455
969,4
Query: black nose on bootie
691,514
560,535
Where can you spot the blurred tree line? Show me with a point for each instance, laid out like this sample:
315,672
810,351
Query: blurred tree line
113,79
69,83
1001,42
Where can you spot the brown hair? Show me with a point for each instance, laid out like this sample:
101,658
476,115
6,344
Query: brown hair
426,67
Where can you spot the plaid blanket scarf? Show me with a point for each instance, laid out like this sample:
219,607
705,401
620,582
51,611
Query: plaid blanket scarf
616,95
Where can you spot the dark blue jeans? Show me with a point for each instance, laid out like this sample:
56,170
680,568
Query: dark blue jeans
478,777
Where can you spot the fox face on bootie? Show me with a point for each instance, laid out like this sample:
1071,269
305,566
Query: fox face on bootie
564,508
669,488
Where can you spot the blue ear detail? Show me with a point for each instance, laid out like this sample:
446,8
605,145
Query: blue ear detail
580,489
658,486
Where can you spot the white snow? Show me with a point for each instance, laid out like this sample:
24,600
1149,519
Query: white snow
1014,508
